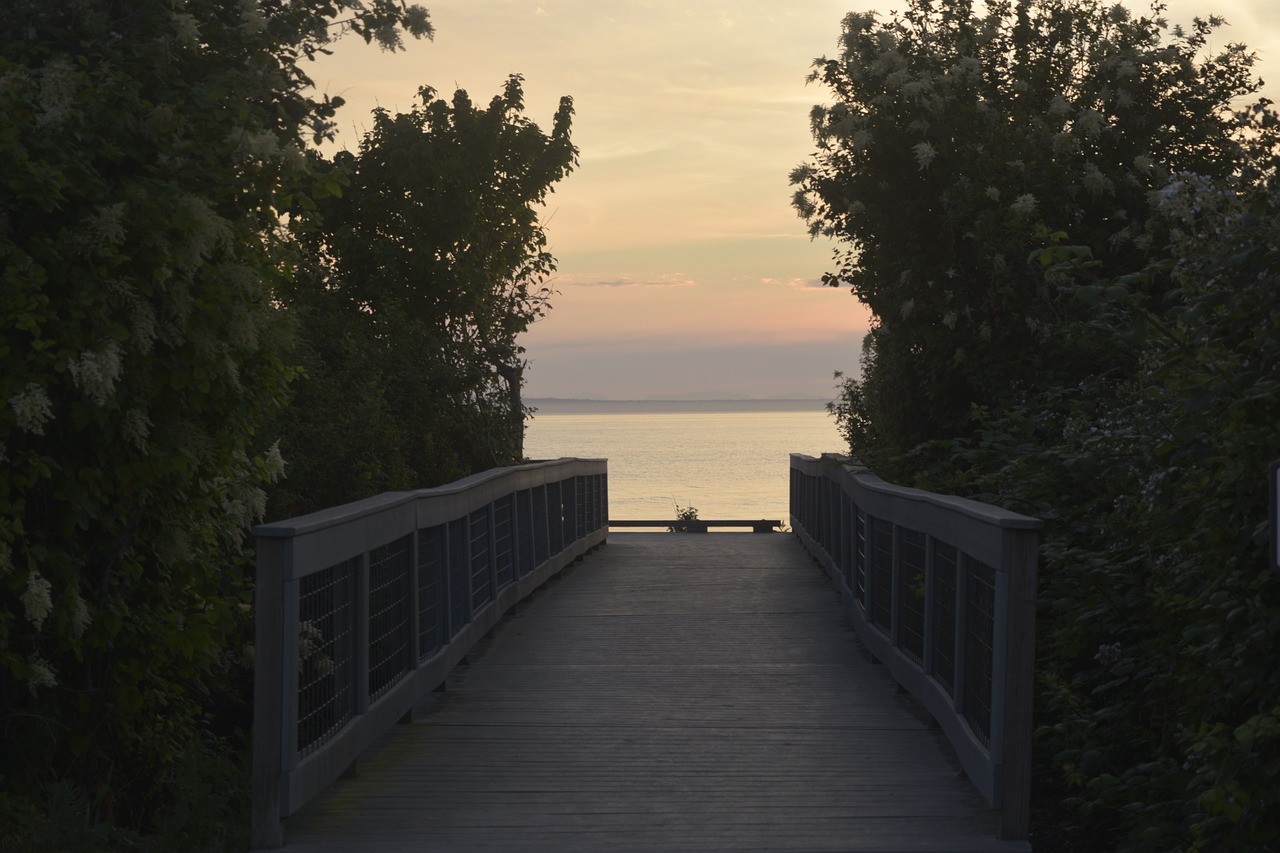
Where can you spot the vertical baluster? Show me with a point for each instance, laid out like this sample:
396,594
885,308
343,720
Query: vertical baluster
929,592
362,635
895,586
415,600
961,651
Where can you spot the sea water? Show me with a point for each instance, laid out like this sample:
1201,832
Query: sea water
729,460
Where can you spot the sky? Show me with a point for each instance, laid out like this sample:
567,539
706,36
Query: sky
683,269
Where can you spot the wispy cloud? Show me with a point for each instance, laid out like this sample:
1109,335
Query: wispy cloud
668,280
798,283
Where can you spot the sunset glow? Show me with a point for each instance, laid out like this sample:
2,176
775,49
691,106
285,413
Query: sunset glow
682,267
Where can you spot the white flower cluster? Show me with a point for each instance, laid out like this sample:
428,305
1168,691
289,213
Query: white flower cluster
37,600
32,408
274,462
204,229
924,154
1108,653
1095,182
256,146
42,673
135,426
96,373
57,93
104,228
1024,205
142,325
80,616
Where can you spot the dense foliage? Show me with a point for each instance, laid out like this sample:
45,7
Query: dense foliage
1094,344
417,280
148,151
959,143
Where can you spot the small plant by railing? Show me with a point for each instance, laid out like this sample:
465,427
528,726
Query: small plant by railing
683,513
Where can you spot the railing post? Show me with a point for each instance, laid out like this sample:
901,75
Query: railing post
1015,770
269,685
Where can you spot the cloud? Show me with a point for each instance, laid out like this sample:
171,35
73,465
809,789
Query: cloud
797,283
667,280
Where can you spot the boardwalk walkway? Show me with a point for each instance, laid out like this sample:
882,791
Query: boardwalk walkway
670,692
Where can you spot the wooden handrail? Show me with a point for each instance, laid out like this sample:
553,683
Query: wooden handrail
364,608
942,591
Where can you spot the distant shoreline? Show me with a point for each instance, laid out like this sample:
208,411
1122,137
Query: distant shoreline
562,405
821,400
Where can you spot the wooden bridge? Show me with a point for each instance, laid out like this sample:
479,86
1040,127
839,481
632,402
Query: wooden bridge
662,692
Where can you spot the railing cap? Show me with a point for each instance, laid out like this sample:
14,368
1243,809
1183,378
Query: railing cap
977,510
349,512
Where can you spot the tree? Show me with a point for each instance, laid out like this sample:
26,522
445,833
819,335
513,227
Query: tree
149,150
962,143
425,271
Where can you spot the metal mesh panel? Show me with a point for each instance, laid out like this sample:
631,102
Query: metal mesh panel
860,555
389,603
604,499
504,555
555,518
881,573
481,559
980,595
568,520
944,615
831,515
541,532
846,545
911,593
601,516
459,580
524,532
430,590
326,653
581,507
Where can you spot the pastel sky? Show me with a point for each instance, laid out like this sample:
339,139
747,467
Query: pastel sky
683,269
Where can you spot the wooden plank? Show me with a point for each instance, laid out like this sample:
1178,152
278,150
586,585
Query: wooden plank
668,693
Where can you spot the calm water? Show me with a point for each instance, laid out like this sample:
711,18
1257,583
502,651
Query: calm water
730,460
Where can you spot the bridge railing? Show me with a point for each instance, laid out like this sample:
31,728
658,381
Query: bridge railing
362,609
942,590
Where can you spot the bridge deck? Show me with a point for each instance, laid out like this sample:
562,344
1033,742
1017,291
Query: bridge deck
668,693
